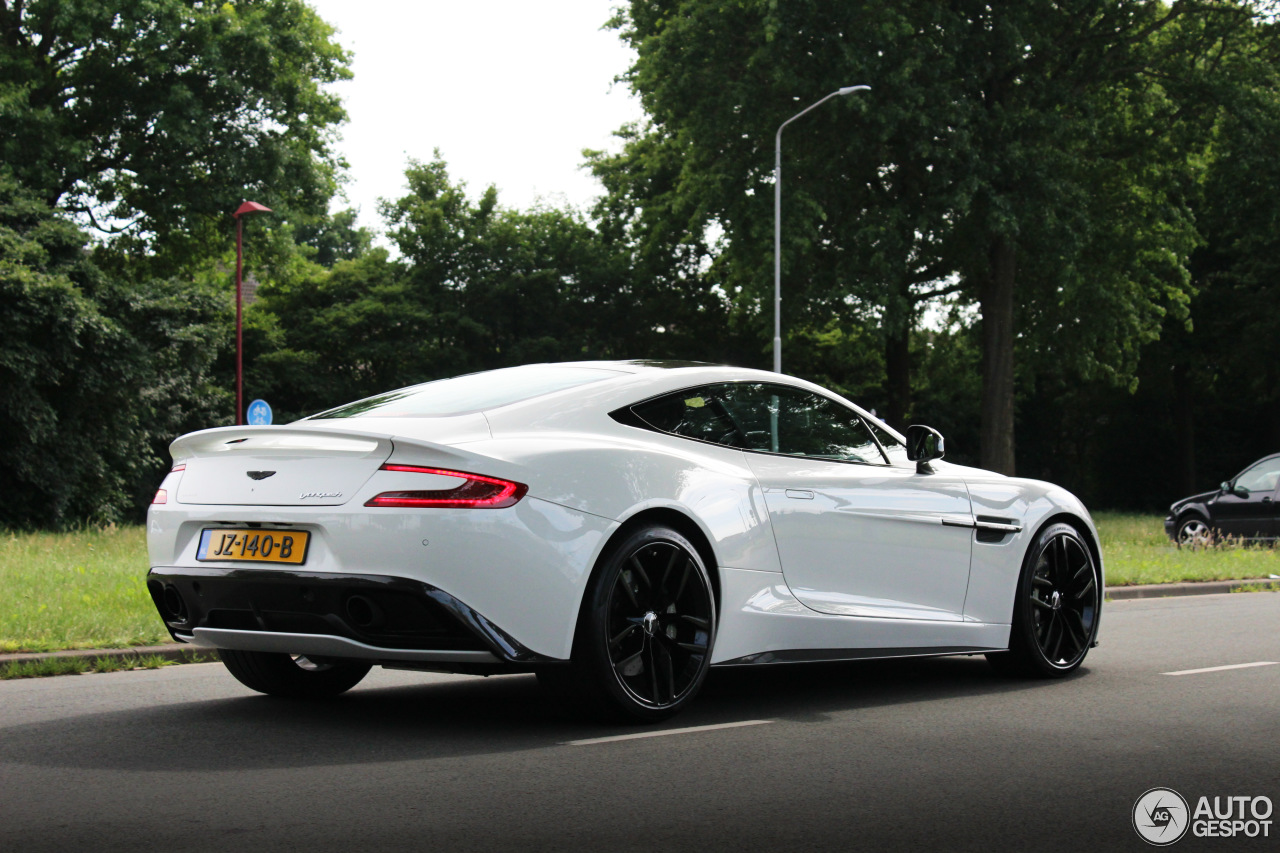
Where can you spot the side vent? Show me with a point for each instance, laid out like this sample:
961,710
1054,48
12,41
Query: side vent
993,529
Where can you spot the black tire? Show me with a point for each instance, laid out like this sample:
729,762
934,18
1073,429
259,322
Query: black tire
1194,531
295,677
1055,612
646,631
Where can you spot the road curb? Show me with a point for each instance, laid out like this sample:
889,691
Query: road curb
177,652
1169,590
182,653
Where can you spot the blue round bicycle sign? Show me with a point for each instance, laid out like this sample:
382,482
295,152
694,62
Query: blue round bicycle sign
259,413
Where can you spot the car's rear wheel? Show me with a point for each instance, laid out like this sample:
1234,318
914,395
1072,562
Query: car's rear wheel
1055,616
647,629
293,676
1194,531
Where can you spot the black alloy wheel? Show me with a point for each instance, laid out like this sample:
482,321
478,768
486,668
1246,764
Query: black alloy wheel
293,676
1055,616
645,638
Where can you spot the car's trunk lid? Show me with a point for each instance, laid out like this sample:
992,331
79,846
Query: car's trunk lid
276,466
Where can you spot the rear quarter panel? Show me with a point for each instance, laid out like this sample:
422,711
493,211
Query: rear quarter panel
618,478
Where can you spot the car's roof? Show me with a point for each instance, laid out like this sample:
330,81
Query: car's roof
490,390
637,381
641,379
1259,460
573,406
634,365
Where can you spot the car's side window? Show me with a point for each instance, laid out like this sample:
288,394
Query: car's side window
817,427
770,418
693,414
1261,477
894,449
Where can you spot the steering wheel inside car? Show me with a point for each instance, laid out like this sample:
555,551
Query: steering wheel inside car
736,432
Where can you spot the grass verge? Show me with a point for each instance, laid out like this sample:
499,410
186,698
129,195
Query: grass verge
76,666
80,590
1136,551
87,589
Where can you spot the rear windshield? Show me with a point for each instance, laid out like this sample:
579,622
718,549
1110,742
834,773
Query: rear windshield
472,393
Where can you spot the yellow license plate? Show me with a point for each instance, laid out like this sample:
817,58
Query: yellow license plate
254,546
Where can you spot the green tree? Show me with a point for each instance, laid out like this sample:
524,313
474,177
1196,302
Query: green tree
95,378
477,286
1038,158
294,330
505,286
1228,367
53,466
156,117
335,237
666,301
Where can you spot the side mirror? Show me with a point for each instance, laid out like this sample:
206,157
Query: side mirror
923,445
1230,488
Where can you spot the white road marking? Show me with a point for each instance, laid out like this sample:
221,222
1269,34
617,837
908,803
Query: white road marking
637,735
1221,668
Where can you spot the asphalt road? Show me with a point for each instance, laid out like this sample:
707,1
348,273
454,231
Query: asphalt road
937,754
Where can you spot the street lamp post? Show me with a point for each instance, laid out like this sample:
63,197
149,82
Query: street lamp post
244,209
777,222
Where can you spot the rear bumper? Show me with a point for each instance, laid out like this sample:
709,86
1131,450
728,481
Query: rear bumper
329,646
524,567
367,617
1170,527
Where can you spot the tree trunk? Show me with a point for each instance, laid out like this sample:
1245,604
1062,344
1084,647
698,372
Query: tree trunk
1273,381
1184,399
897,356
897,368
995,299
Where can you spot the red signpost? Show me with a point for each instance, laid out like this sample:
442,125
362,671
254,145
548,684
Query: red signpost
244,209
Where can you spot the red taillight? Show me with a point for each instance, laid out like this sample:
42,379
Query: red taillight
181,466
161,497
477,492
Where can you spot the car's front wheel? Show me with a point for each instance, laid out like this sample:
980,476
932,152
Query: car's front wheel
647,629
1055,614
293,676
1194,531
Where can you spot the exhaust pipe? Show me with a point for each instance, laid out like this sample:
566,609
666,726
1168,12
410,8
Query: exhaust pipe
363,613
175,608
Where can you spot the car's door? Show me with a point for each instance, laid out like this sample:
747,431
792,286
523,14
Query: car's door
856,535
1273,529
1250,512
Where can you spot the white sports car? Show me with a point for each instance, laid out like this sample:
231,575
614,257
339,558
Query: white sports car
616,527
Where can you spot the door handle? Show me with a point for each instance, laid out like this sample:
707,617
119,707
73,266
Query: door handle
800,494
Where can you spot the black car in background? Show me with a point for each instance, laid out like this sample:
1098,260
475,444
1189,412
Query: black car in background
1244,507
